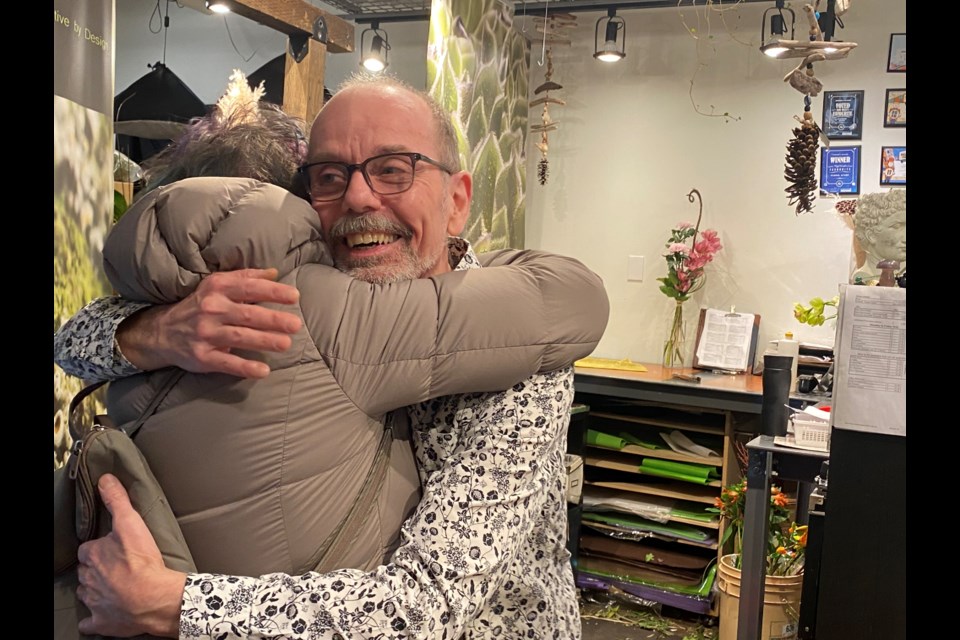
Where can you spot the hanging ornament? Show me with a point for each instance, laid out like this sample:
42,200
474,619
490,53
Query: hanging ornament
549,25
801,167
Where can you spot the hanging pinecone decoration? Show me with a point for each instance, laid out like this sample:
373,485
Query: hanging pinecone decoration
542,171
801,168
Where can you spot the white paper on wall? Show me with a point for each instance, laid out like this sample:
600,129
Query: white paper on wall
870,380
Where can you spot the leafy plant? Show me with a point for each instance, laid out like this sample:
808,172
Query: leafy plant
813,315
787,541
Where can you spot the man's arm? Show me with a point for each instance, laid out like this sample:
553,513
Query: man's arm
475,330
457,549
112,338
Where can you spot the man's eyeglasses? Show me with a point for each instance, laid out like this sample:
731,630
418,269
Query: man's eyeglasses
386,174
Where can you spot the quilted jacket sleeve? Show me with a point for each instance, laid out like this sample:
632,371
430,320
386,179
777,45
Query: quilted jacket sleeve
466,331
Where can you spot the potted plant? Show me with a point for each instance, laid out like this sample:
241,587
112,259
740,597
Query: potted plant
786,546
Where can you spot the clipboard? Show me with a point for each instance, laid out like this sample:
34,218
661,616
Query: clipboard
723,345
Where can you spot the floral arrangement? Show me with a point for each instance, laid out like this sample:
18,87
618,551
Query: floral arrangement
813,315
787,541
689,250
685,262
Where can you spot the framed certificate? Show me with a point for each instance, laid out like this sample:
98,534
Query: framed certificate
893,166
897,57
840,170
895,112
843,115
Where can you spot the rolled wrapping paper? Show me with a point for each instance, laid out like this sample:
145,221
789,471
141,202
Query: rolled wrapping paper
640,441
684,468
605,440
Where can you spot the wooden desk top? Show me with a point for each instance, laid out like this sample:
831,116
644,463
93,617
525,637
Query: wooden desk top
736,392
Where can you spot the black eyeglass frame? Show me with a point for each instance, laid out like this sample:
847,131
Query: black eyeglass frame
362,168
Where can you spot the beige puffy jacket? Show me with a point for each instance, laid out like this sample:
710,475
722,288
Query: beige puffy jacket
259,472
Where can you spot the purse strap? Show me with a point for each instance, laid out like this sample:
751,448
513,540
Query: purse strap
75,429
330,554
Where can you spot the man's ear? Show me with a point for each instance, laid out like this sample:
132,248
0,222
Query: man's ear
461,193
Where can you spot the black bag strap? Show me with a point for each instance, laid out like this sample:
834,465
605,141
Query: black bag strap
76,432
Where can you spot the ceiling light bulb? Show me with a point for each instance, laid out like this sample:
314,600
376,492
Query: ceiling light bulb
774,50
217,7
374,64
609,53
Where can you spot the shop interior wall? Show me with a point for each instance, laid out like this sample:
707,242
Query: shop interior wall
631,145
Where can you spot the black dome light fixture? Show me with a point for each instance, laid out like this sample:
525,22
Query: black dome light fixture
770,40
376,57
615,38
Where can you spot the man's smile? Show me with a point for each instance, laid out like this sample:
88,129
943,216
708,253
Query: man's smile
376,238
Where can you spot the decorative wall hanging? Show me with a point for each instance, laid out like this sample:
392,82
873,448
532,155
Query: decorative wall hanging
897,56
551,26
895,113
840,171
843,115
800,169
478,69
893,166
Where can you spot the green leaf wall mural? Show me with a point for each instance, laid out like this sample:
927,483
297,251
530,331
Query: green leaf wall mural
478,68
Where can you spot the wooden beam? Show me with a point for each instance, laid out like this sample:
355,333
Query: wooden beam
296,17
303,82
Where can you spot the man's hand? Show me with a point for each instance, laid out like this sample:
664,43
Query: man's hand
199,332
123,580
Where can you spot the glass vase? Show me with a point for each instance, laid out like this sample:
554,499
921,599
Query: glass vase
674,347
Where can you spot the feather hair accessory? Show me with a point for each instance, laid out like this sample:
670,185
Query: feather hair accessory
240,103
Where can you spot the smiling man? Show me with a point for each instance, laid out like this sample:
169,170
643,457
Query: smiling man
484,553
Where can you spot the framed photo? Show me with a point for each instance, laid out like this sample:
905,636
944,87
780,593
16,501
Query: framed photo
840,170
895,113
897,57
843,115
893,166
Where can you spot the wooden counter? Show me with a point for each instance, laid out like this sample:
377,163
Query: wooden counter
733,392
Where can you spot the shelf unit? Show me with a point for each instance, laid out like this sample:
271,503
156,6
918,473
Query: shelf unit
620,469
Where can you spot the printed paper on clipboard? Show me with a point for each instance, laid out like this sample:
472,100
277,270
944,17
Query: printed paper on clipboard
726,341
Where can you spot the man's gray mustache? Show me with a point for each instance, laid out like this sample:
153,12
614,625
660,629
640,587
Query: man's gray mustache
368,224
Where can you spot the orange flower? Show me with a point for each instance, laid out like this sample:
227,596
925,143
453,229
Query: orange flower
780,500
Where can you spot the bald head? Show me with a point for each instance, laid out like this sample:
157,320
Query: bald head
389,95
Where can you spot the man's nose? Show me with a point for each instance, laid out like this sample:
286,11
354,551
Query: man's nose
359,196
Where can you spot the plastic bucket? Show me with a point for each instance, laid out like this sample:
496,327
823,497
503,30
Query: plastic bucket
781,603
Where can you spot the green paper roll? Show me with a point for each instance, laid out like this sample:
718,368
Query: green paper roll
632,438
685,468
605,440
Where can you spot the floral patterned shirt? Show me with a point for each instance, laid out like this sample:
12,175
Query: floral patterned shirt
85,346
483,555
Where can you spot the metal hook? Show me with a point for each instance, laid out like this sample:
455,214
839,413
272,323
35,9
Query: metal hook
524,30
543,50
690,198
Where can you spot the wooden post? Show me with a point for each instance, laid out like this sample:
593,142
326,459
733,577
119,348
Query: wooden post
303,82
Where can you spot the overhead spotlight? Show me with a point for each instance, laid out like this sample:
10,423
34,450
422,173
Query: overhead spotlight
218,6
376,58
615,38
770,43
